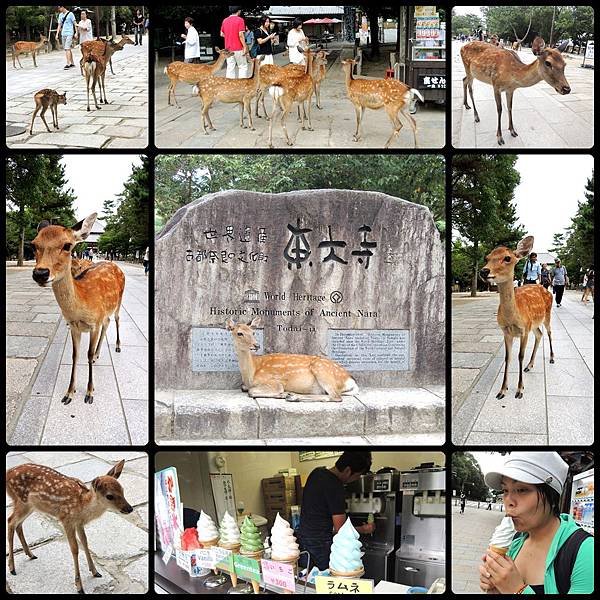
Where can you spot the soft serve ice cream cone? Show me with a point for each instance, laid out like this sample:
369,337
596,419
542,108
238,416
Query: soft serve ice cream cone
208,534
283,543
345,559
502,536
251,545
229,538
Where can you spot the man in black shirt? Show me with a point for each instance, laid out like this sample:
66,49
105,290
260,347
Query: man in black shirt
324,505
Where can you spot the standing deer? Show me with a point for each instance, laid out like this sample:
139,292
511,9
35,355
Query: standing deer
101,46
315,378
506,72
521,310
45,99
392,95
192,73
95,70
25,47
36,488
88,300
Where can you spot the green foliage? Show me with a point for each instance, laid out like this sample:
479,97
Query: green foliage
180,179
467,476
465,24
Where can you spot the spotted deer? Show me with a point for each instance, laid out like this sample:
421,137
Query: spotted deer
393,96
94,69
25,47
36,488
45,99
88,300
504,70
295,377
521,310
192,73
102,47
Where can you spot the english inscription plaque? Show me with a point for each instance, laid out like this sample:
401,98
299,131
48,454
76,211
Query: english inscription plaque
212,350
370,349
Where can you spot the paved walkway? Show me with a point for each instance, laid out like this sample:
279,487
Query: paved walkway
38,367
558,403
542,117
121,124
118,543
471,534
333,125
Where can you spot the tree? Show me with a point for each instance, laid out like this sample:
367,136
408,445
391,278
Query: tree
465,24
467,476
483,211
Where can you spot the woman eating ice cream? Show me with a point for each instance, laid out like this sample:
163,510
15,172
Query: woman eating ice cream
547,552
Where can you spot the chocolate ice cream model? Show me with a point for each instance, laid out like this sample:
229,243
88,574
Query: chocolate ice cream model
421,556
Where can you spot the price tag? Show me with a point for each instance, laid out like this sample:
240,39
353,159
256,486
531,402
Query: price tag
223,559
246,567
279,574
340,585
205,558
167,554
183,560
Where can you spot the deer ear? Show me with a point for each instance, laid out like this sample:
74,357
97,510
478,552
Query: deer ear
95,483
229,324
43,224
84,227
256,322
116,470
524,247
538,45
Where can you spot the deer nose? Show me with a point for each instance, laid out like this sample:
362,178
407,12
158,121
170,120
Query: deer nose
127,509
566,89
484,273
256,347
41,275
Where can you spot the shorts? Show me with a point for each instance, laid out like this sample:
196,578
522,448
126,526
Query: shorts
67,41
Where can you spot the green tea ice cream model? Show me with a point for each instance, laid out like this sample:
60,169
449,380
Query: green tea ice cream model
250,537
345,559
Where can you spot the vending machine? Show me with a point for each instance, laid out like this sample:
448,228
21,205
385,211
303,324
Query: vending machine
582,500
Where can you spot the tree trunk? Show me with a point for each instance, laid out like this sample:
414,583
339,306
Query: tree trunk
21,252
374,26
475,271
113,21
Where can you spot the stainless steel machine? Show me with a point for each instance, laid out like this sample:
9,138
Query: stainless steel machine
377,495
421,557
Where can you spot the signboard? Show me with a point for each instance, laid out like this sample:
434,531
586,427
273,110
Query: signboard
431,82
425,11
370,349
317,454
205,558
246,567
341,585
589,50
223,559
427,28
212,349
278,574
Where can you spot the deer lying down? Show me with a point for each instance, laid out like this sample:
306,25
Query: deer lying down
295,377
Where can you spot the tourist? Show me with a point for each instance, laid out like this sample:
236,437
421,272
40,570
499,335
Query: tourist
146,261
532,270
138,27
84,28
545,277
588,285
296,38
559,280
192,42
264,41
66,31
463,502
249,39
233,31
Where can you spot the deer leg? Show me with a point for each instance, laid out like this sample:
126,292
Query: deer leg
522,347
35,112
466,79
110,65
241,105
75,338
498,97
248,107
548,327
33,56
272,120
19,514
509,100
103,88
358,113
507,353
284,112
19,61
23,541
101,339
118,344
74,547
392,113
266,390
89,395
538,336
413,125
88,556
306,108
44,118
318,95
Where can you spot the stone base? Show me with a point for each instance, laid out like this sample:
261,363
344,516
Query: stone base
233,415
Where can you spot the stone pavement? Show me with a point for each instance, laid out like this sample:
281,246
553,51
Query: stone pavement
542,117
376,416
123,123
333,125
558,403
118,543
471,533
38,367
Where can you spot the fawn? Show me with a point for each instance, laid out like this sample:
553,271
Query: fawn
295,377
88,300
36,488
521,310
45,99
25,47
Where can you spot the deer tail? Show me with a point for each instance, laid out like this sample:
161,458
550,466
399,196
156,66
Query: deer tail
195,90
414,93
276,91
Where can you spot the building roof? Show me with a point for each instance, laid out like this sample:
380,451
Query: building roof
305,10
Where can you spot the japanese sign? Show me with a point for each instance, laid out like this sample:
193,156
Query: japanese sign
212,349
205,558
431,82
427,28
424,11
246,567
223,559
340,585
278,574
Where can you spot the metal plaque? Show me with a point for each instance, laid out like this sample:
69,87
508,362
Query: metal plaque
212,349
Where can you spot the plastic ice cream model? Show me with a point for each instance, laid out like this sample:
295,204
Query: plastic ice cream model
250,538
208,534
283,542
229,532
502,536
345,559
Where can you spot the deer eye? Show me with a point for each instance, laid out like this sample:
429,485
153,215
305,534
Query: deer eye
240,334
109,497
67,247
507,259
548,64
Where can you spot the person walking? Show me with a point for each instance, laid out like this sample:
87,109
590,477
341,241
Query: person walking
192,42
489,506
84,28
66,31
532,270
138,27
295,38
249,39
588,285
146,261
560,279
463,502
264,40
233,31
545,276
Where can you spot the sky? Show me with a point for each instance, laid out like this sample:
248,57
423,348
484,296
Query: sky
96,178
489,461
467,10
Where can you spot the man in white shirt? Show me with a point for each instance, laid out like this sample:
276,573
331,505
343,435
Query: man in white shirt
192,42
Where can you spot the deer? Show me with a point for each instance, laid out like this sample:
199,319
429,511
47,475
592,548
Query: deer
37,488
79,265
506,72
95,70
102,46
88,300
238,91
390,94
294,377
521,310
192,73
26,47
45,99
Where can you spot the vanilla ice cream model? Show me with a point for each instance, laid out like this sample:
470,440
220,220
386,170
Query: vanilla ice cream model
375,498
502,537
421,558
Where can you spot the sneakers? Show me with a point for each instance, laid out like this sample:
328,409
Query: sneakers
68,66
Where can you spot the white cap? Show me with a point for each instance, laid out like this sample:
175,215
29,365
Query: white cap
531,467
